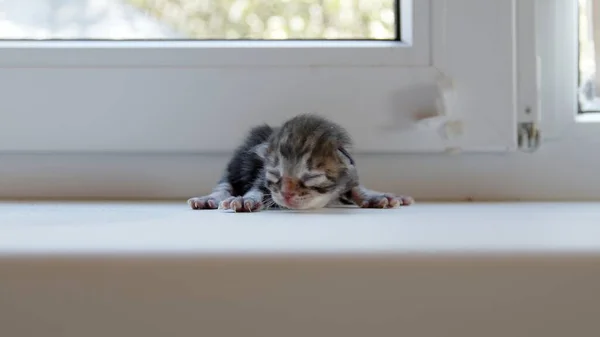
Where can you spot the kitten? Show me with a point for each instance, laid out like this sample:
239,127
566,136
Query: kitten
304,164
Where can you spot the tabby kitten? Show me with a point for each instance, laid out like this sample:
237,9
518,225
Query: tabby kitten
304,164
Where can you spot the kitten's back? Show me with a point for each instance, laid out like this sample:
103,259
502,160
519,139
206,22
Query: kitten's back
246,166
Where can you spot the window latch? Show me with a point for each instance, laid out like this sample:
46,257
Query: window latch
529,137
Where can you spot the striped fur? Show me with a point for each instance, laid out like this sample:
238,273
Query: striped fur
304,164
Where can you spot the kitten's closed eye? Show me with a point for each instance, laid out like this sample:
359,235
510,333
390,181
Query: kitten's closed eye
312,180
319,182
273,176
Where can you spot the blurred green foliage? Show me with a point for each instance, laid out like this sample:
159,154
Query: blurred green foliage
270,19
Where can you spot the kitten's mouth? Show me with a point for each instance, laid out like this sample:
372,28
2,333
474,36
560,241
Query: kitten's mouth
289,203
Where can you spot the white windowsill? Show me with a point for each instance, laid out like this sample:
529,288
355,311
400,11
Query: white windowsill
171,228
550,294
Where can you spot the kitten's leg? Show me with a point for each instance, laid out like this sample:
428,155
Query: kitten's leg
221,192
366,198
252,201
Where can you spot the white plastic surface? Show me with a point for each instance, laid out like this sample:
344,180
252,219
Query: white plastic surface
171,228
275,273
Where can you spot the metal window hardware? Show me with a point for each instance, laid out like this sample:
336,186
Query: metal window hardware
529,137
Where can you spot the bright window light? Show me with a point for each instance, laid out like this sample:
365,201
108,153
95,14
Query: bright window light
200,19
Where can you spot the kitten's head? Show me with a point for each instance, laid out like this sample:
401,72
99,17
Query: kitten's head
306,164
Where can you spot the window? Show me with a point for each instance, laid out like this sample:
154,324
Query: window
448,84
201,19
177,33
567,51
589,55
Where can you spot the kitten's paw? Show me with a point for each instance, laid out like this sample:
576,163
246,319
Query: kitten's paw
241,204
205,202
385,200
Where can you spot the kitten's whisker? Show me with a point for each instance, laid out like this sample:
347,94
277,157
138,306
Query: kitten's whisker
268,202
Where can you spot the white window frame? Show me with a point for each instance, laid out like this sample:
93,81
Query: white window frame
557,43
152,169
398,82
413,50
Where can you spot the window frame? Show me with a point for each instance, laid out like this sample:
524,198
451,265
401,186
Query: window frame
558,50
157,169
413,50
404,100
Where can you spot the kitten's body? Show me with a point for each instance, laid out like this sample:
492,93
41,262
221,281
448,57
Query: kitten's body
301,165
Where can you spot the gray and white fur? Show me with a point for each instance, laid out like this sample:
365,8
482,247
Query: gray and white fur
304,164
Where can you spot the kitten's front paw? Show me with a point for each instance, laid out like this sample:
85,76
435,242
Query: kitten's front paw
205,202
385,200
241,204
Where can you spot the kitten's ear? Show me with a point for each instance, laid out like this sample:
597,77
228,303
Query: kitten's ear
261,150
345,156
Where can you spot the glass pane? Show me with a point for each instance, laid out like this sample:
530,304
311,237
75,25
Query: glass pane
198,19
589,55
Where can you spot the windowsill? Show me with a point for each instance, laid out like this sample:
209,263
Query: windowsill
171,228
550,295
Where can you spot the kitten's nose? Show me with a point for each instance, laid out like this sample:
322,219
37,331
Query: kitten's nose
288,185
288,195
